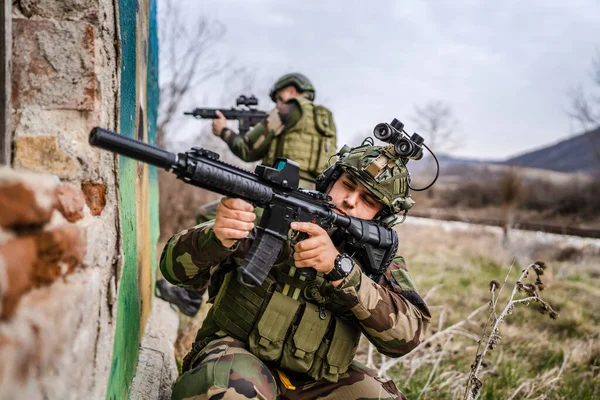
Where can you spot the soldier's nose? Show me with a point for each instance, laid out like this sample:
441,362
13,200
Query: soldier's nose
351,199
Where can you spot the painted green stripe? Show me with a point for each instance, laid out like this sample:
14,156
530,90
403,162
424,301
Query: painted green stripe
152,99
125,351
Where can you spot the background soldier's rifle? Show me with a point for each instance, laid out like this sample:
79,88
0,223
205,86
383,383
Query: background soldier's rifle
247,117
273,188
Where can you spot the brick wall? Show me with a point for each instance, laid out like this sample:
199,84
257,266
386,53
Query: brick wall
60,255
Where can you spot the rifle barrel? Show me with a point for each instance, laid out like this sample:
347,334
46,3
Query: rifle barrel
132,148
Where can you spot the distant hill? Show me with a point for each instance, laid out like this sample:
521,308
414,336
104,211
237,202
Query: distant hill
446,162
576,154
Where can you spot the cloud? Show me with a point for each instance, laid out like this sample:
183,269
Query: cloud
504,66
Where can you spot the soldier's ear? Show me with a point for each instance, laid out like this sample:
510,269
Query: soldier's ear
327,178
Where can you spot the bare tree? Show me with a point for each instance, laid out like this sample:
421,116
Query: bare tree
512,192
436,123
585,107
187,59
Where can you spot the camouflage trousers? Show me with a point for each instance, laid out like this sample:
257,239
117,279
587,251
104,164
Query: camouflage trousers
225,369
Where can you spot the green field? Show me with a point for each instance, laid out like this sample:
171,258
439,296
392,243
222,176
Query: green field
536,357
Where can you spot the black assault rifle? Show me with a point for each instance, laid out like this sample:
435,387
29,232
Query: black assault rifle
273,188
246,118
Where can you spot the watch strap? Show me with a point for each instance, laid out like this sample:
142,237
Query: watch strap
337,272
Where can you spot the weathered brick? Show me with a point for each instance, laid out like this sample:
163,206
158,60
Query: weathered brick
25,199
95,196
42,154
17,258
53,64
70,202
60,251
61,9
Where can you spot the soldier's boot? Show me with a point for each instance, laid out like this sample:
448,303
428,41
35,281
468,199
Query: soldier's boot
188,301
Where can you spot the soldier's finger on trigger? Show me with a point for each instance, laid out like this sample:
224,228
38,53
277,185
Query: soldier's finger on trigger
307,244
307,227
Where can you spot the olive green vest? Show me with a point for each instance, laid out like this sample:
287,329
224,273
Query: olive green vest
288,322
310,141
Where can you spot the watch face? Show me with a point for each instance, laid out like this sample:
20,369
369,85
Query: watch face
346,264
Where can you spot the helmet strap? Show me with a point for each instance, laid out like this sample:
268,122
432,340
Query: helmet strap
326,180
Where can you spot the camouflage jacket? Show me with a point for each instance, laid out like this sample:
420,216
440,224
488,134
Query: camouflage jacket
298,130
255,144
390,312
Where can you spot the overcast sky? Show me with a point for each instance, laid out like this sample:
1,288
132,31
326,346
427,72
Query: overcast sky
505,67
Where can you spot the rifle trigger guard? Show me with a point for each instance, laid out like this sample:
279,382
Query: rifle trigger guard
297,237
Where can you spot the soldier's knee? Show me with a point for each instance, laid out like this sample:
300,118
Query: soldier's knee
236,374
251,378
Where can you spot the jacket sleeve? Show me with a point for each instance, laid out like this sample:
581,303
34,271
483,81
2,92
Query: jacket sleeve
254,145
190,256
392,315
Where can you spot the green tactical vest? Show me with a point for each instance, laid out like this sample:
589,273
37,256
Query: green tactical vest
310,141
288,322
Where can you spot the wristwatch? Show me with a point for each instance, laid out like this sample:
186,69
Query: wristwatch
342,266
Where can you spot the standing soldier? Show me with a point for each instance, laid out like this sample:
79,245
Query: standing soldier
296,129
295,338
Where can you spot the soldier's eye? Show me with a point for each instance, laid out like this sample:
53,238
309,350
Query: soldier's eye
368,201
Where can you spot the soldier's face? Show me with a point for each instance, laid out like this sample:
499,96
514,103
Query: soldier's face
352,198
285,94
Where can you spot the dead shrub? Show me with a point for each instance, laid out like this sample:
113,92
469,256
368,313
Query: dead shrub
471,195
569,253
578,198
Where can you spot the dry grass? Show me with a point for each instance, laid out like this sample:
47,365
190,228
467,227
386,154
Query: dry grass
536,357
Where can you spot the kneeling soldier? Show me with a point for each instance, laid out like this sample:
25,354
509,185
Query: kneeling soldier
294,338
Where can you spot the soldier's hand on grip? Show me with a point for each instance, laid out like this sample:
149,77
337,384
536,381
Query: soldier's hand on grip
317,251
234,221
218,124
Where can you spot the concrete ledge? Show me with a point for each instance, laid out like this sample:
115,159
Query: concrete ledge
156,370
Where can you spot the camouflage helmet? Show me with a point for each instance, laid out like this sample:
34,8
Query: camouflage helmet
379,169
299,81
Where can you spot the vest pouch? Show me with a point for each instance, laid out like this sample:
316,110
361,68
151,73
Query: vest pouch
340,352
325,145
237,307
300,347
324,121
266,339
316,370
